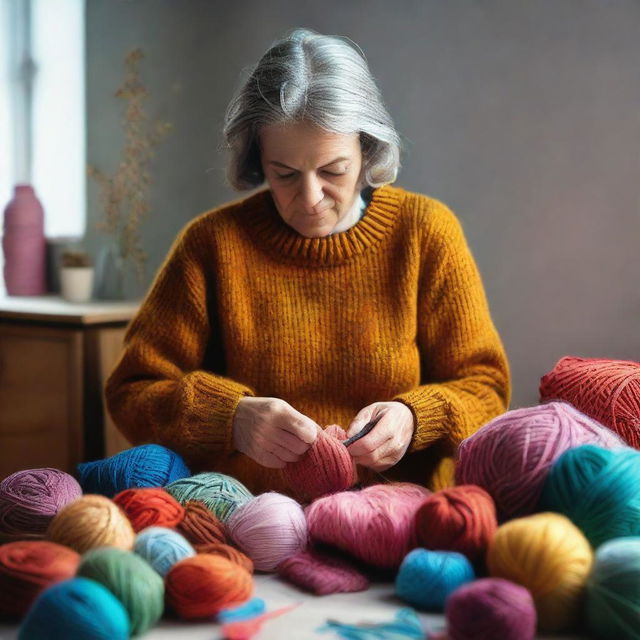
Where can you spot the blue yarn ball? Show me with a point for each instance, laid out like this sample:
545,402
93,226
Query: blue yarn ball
598,490
76,609
426,578
162,548
613,590
149,465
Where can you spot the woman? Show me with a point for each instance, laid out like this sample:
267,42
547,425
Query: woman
331,296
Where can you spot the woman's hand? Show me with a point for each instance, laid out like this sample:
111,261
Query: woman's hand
271,431
387,442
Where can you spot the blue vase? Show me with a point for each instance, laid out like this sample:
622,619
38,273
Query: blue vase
110,274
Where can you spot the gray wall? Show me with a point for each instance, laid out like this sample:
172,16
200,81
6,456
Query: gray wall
524,117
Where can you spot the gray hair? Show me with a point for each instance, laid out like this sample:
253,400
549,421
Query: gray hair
321,79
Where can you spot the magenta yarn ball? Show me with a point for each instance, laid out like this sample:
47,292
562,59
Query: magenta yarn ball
30,499
511,456
269,528
491,608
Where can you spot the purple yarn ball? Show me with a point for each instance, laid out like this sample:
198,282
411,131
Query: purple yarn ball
511,456
29,499
491,608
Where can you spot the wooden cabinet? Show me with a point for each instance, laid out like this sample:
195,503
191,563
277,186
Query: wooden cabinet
54,360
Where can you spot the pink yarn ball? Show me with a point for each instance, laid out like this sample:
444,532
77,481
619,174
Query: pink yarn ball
511,456
326,467
375,524
269,528
322,573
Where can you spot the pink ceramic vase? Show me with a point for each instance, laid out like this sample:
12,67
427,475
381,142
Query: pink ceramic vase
24,244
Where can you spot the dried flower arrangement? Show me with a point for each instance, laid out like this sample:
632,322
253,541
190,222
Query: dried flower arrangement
124,195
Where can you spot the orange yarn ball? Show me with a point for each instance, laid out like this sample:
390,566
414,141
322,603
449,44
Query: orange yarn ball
89,522
227,551
199,525
461,518
27,568
200,586
606,390
150,507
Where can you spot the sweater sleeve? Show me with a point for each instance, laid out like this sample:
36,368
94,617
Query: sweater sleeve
465,378
159,391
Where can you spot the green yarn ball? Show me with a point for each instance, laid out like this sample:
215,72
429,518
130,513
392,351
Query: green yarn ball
221,494
597,489
131,579
613,590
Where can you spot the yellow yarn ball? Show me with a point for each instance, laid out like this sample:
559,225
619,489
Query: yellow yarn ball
91,521
550,556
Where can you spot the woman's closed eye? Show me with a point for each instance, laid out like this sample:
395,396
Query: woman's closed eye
290,175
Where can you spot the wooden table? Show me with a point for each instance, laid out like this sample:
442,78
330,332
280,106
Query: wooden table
54,360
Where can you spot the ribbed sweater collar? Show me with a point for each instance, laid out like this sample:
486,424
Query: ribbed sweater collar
275,235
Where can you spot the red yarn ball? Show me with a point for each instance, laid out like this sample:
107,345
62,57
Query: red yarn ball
227,551
147,507
200,586
461,518
606,390
326,467
200,526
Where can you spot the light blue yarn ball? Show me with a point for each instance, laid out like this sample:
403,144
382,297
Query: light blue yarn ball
597,489
162,548
77,609
149,465
426,578
220,493
613,590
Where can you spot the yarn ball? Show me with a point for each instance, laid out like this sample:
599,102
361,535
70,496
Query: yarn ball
91,521
427,578
613,591
598,490
162,548
131,579
375,524
77,609
149,507
511,455
326,467
269,529
220,493
199,525
27,568
227,551
200,586
606,390
461,518
321,573
29,499
491,608
149,465
549,555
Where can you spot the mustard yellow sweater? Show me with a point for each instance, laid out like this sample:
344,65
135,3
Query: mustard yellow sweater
391,309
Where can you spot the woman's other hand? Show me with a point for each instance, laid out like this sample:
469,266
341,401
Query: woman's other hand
388,441
271,431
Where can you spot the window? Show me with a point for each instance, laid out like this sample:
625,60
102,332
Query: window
42,108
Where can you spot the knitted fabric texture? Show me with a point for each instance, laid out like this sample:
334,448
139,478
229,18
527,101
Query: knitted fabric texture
391,309
326,467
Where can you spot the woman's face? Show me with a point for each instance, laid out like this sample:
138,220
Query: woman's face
314,175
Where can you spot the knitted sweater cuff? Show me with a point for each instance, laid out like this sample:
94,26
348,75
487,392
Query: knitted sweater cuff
210,403
431,414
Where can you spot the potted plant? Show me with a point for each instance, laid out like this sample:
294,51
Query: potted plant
76,275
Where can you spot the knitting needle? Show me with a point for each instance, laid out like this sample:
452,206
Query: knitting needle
362,433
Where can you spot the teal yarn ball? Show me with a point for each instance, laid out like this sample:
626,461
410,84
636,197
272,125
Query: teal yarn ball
426,578
131,579
613,590
221,494
162,548
77,609
597,489
149,465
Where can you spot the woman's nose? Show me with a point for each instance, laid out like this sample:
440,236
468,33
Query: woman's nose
311,191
